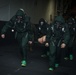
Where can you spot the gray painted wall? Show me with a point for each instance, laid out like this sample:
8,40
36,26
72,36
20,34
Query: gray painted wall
34,8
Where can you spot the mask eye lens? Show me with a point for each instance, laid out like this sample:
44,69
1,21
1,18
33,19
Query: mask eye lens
20,17
42,23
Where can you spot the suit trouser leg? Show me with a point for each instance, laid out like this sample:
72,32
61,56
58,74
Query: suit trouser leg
58,55
24,46
23,40
52,52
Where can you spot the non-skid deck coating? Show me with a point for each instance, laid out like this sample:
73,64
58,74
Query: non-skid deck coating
10,62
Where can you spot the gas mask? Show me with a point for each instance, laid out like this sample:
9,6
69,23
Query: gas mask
41,22
58,24
19,19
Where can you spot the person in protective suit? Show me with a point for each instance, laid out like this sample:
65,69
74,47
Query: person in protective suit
57,39
42,29
21,24
72,29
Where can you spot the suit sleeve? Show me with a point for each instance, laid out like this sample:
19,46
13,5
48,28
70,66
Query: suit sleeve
7,26
66,34
29,29
49,34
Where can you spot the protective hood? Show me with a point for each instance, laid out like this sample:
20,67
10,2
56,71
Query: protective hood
60,19
41,20
20,13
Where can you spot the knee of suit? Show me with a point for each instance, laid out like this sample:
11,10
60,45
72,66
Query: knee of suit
24,46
